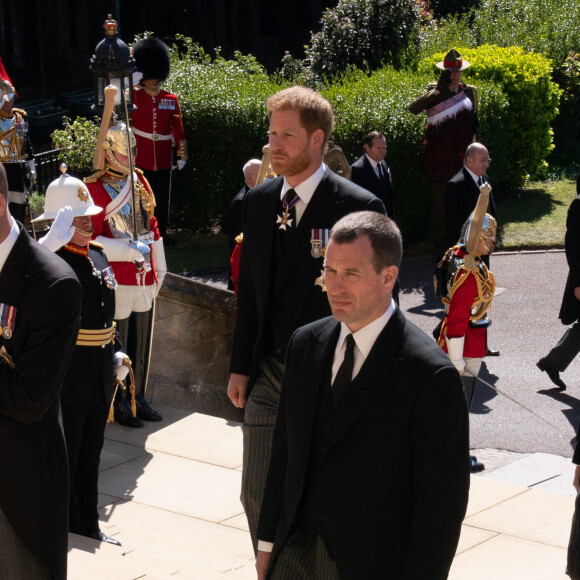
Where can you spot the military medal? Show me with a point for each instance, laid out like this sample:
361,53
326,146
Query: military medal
318,241
285,219
7,318
110,279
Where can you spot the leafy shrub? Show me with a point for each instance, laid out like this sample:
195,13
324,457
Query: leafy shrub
379,102
533,104
77,141
363,34
224,115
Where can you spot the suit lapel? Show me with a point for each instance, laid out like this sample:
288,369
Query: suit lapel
13,276
319,354
374,376
261,231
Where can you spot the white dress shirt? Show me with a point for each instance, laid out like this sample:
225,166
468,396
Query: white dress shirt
7,245
304,190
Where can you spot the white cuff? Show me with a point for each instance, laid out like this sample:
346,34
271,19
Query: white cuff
265,546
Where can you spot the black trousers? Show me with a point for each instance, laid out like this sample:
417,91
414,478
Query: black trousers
566,349
84,431
160,182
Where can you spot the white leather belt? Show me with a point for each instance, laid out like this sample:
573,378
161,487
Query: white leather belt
152,136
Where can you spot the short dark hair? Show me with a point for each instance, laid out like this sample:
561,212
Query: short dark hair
314,110
368,140
3,182
382,232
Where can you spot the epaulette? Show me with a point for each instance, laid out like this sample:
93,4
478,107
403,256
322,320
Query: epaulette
139,172
94,177
21,111
96,244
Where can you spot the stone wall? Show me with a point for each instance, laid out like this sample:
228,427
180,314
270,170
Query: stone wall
191,348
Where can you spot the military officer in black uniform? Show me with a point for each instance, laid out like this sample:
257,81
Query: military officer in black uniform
97,361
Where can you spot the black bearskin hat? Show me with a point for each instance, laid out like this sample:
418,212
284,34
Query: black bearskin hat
152,58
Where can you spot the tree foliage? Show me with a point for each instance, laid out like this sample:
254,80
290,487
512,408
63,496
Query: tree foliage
362,33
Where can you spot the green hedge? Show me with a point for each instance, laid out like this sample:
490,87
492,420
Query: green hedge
525,79
380,102
224,115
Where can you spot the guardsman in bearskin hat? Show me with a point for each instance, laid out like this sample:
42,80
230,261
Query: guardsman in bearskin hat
451,108
98,360
466,287
157,124
15,148
135,251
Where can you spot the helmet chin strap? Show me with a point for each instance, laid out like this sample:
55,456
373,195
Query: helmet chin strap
83,232
113,161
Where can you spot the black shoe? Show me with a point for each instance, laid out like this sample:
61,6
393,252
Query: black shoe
552,373
492,352
476,466
145,412
102,538
124,416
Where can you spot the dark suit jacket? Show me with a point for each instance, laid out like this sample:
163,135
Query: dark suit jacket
393,479
33,463
234,221
570,309
363,174
459,200
334,198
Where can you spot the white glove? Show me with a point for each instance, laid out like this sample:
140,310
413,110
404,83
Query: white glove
455,351
119,250
121,371
61,231
181,163
158,253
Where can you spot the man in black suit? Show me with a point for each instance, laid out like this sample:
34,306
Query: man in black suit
287,223
462,192
372,173
369,472
39,313
558,359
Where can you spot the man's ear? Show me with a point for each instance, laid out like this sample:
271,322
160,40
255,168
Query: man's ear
3,205
317,139
390,274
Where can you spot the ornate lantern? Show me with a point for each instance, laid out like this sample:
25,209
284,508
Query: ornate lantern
112,64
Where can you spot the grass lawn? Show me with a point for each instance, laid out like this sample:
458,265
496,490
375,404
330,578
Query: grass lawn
533,218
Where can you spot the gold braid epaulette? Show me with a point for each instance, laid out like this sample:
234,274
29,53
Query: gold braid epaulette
96,245
146,193
94,177
485,281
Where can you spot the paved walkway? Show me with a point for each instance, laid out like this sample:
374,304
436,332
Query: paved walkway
170,494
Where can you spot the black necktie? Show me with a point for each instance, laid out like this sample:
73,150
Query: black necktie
344,375
288,206
380,171
480,181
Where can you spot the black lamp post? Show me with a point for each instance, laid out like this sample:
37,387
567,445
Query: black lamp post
112,64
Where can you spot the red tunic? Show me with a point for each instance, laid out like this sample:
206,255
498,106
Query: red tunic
125,272
456,323
159,117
